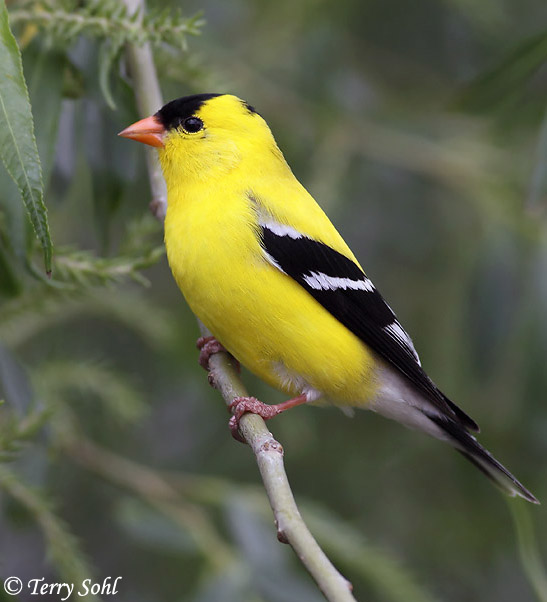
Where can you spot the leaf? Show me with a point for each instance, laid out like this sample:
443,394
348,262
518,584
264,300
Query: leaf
505,82
16,228
17,143
108,53
45,84
109,20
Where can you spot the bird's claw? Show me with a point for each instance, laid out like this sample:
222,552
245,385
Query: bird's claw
208,346
242,405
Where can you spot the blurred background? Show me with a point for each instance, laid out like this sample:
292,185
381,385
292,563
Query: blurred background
421,129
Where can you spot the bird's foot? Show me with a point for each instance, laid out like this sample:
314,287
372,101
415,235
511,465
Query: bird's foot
208,346
242,405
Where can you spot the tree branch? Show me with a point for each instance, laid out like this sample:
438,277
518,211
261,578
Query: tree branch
148,95
269,452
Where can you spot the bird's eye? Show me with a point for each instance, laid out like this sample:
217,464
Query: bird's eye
192,125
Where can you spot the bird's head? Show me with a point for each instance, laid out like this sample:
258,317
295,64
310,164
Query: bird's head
204,136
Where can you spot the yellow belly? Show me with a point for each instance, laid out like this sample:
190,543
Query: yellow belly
263,317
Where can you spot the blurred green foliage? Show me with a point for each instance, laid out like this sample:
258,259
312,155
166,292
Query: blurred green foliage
17,142
421,129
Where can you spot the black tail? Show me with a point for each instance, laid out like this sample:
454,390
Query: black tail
469,447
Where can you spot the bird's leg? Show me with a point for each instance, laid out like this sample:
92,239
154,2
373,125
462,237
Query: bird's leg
242,405
208,346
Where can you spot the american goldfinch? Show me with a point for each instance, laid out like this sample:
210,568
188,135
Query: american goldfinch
262,266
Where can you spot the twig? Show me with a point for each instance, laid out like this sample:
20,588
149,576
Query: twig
269,453
149,100
269,456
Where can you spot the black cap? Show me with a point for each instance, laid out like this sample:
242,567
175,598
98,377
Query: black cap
175,112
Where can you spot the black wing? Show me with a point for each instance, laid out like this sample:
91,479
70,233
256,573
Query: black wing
343,289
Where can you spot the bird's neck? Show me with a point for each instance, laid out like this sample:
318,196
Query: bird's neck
235,169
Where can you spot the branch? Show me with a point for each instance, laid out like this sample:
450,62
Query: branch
105,19
269,453
269,457
149,100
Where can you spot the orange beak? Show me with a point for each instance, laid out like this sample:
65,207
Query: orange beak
148,131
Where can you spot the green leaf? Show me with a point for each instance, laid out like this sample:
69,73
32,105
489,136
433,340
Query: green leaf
16,227
17,143
108,53
109,20
45,74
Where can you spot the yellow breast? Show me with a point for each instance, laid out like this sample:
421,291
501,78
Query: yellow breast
263,317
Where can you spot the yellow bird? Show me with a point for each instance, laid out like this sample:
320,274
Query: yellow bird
262,266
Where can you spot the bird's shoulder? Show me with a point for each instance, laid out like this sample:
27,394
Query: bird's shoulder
291,206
